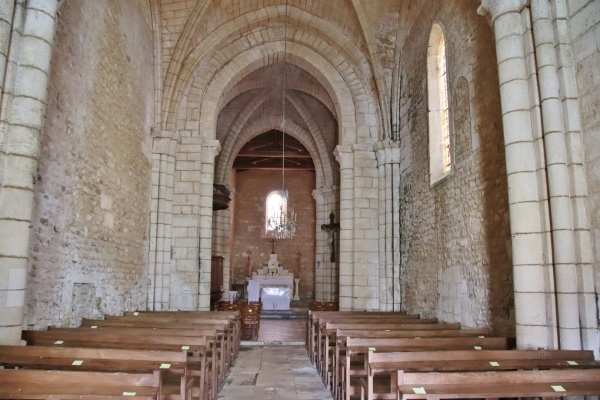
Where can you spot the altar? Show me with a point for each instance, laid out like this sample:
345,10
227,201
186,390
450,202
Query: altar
273,285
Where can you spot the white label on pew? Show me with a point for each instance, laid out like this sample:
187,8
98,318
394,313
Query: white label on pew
494,363
417,337
94,327
572,362
481,337
185,347
129,393
419,390
59,342
136,314
165,366
558,388
77,362
372,349
477,347
387,330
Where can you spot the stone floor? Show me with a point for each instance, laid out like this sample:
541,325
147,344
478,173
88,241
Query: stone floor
275,367
273,372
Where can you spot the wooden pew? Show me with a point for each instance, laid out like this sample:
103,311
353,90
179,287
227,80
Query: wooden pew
382,367
320,324
500,384
314,317
217,352
171,363
187,321
233,316
322,357
194,345
357,348
43,384
210,374
403,331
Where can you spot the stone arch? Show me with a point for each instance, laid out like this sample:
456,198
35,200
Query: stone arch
253,59
336,50
313,128
263,125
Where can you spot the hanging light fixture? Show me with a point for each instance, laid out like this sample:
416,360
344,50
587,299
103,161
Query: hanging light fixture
282,225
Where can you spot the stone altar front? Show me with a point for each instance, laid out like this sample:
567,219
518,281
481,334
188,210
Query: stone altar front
270,276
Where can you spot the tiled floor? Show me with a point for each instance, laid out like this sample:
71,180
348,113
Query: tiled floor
276,367
273,373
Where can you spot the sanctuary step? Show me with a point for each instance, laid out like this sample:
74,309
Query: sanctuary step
292,313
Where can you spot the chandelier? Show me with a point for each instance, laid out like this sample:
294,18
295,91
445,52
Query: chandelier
282,225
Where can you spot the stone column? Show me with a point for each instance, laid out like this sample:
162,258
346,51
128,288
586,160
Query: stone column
388,166
164,148
534,289
345,157
22,116
210,149
7,8
559,193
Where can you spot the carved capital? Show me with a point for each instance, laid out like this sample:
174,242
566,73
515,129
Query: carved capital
497,8
210,149
344,156
387,152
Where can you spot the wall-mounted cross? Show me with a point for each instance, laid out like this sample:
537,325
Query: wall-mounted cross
331,228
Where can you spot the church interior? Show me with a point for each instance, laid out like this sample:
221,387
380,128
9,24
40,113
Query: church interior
436,158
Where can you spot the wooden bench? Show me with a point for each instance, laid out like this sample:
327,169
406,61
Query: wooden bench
382,367
325,355
315,318
500,384
214,333
233,316
44,384
171,363
403,331
322,331
357,348
195,346
187,321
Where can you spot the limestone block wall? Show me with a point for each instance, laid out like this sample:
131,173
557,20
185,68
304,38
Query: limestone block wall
455,237
89,236
251,190
584,25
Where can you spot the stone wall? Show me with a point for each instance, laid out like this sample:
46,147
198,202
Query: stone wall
90,231
252,188
455,234
585,33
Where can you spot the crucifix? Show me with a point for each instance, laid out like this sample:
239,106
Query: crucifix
330,229
272,246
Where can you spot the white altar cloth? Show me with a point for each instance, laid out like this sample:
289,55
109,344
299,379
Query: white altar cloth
256,284
276,298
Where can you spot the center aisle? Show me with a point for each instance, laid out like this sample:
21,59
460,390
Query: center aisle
273,373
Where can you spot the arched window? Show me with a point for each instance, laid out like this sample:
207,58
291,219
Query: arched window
276,208
440,156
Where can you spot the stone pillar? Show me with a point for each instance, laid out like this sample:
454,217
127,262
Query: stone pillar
345,157
534,289
326,272
559,192
210,149
164,148
22,116
7,8
388,166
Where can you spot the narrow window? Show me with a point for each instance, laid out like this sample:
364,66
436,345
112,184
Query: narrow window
440,155
276,207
